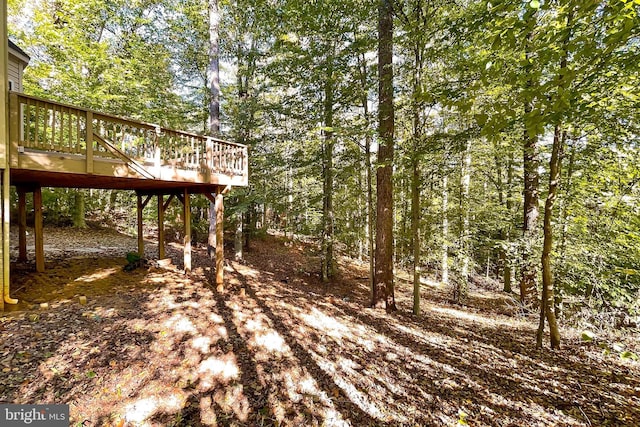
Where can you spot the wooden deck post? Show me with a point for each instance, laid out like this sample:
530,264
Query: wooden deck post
4,151
219,206
187,230
140,231
22,224
89,142
141,205
38,228
14,129
6,298
161,251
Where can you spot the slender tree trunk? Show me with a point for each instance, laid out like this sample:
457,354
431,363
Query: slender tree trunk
417,105
555,164
402,249
113,198
564,225
383,278
529,277
546,309
502,250
462,285
369,178
328,264
78,209
444,277
213,77
238,241
415,230
415,192
370,209
360,220
508,271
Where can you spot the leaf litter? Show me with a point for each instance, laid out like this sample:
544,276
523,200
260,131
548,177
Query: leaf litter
155,346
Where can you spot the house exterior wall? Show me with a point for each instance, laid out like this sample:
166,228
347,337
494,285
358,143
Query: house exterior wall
14,71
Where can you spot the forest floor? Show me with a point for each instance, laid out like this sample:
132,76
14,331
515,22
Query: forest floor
157,347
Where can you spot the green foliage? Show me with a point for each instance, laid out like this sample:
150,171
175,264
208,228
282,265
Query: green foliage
462,74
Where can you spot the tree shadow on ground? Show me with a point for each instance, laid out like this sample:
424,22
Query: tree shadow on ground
161,347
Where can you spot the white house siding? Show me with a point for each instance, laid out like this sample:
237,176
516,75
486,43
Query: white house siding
15,74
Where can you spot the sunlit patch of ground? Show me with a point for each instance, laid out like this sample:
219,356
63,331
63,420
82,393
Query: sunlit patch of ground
277,347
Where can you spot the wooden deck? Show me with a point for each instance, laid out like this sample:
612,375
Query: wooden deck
50,144
57,145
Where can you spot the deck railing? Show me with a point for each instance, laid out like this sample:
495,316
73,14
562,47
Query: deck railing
43,125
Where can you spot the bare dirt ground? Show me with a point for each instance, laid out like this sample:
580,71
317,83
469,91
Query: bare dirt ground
158,347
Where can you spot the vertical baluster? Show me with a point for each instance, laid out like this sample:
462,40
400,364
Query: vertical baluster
128,148
45,125
102,131
187,154
179,148
133,141
36,125
153,141
114,136
192,155
26,123
53,127
176,149
61,125
76,131
61,136
198,147
147,142
214,158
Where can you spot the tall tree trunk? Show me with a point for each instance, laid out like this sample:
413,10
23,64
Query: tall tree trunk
328,264
213,80
502,250
113,198
369,177
529,277
78,209
564,225
462,285
546,309
444,276
415,227
417,105
383,278
238,241
508,271
555,164
415,196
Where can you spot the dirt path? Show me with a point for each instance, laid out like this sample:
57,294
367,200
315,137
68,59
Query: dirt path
157,347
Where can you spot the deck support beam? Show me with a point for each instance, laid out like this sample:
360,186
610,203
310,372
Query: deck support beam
161,251
141,204
6,283
219,207
22,224
4,148
139,209
38,228
187,230
89,142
